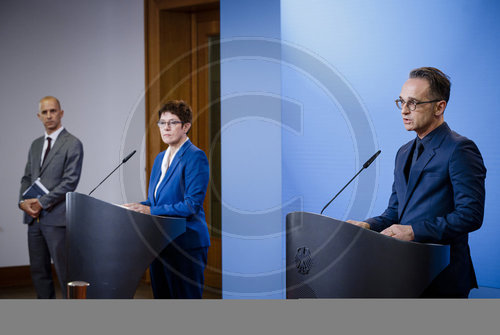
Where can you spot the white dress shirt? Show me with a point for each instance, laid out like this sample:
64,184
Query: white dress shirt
165,163
53,137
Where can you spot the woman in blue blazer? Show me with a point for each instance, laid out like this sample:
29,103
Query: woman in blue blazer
177,187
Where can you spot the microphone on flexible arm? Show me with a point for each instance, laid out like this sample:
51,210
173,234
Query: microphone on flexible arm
366,165
123,161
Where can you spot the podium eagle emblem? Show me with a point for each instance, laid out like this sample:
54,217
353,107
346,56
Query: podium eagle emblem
303,260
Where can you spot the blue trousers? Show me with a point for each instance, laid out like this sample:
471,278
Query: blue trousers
178,273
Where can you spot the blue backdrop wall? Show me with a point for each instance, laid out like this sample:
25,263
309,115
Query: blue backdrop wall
341,65
251,149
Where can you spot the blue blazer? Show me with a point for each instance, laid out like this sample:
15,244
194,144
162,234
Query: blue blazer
443,201
182,192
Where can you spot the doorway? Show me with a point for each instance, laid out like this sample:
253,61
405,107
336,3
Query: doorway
182,41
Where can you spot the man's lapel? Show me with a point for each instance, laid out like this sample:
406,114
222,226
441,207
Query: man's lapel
415,172
417,169
401,182
37,154
57,145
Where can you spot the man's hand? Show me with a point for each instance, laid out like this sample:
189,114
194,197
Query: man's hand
401,232
36,206
361,224
138,208
32,207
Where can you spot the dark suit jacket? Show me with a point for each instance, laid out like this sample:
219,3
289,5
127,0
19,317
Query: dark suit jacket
443,201
182,192
60,174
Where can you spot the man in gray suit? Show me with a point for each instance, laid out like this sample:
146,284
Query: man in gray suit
56,159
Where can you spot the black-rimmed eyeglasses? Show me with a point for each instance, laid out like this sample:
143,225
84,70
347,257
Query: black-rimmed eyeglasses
170,123
412,104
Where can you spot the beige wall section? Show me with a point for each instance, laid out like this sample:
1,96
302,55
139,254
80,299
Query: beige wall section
90,54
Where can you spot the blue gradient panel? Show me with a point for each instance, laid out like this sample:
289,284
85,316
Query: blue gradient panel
372,46
308,92
251,150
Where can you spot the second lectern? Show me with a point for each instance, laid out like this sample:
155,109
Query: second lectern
110,247
328,258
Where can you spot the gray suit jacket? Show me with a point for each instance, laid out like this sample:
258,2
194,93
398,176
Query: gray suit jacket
60,174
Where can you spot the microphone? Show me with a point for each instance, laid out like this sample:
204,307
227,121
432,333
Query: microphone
130,155
123,161
366,165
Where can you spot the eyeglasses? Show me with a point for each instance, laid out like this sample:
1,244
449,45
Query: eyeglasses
170,123
412,104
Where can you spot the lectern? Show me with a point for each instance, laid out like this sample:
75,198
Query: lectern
110,247
328,258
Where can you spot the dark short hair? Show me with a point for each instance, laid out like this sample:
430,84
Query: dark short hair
179,108
439,83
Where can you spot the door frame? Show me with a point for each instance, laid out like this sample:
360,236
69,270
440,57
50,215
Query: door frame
172,65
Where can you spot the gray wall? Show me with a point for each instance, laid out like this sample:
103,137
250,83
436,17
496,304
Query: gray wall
89,54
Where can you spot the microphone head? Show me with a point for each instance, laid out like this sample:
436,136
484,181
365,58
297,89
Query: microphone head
368,162
128,157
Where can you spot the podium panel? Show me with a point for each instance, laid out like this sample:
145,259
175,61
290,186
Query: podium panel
111,247
328,258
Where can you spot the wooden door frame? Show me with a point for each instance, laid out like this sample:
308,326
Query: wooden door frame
152,12
181,15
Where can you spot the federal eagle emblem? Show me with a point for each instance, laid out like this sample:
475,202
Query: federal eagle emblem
303,260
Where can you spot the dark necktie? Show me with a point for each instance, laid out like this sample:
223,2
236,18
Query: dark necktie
46,150
418,151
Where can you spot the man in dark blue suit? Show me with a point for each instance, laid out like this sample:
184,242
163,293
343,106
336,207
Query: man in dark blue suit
438,191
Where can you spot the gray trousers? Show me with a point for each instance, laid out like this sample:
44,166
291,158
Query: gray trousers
46,243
